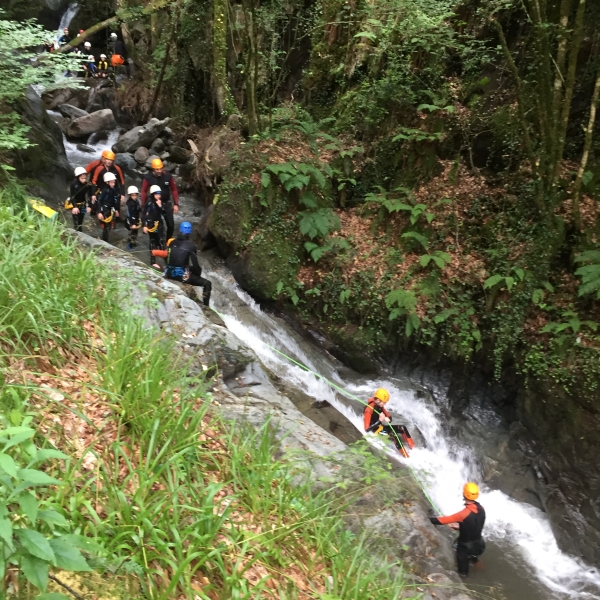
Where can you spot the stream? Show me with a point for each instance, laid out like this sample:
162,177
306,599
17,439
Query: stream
522,560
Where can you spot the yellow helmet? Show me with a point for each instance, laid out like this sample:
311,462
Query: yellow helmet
156,163
471,491
382,394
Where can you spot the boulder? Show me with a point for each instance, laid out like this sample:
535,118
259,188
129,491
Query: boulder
179,155
128,163
63,123
141,155
165,156
140,136
45,161
100,120
85,148
57,97
96,138
72,112
158,146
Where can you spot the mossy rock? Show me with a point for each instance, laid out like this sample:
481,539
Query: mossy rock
269,259
231,213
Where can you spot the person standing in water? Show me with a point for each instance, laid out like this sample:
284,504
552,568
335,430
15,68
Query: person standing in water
470,544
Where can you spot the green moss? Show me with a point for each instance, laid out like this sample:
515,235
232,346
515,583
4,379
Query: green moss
232,212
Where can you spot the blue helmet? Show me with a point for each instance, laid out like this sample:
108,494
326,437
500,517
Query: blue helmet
185,228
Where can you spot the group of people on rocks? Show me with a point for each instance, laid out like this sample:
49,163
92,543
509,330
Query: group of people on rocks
101,68
99,189
469,521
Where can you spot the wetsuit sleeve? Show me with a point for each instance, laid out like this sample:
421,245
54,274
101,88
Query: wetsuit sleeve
195,267
91,166
458,517
174,191
120,179
367,417
96,174
144,191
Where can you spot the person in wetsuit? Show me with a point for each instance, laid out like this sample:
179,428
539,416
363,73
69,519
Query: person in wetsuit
97,169
377,419
163,179
182,261
108,205
77,202
133,221
153,224
469,522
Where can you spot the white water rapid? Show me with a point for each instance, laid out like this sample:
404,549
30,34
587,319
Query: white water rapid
519,536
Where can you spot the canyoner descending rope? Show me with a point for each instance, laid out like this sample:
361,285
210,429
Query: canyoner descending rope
351,396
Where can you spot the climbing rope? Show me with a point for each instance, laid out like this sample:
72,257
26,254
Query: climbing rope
344,392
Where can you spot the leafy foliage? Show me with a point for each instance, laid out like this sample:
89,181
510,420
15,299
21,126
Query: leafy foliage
21,66
590,273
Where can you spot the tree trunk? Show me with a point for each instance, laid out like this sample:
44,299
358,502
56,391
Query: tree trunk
251,67
589,135
223,97
563,118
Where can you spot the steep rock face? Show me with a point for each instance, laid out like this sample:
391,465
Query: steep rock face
45,161
245,391
541,444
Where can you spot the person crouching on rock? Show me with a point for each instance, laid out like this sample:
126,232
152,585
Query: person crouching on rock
182,261
77,202
109,203
469,522
152,220
378,420
132,220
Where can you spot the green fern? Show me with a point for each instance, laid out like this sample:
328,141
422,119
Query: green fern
319,223
590,274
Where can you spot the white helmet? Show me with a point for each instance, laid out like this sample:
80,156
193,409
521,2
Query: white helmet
87,45
109,177
91,58
103,56
155,189
80,171
132,190
113,35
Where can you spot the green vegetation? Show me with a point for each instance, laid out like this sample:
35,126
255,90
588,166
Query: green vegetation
110,463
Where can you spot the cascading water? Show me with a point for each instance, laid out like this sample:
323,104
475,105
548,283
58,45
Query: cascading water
523,557
66,18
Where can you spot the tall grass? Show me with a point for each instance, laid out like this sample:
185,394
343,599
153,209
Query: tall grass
182,503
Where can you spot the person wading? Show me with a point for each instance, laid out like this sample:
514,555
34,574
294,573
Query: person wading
182,261
77,202
377,419
97,169
469,522
164,180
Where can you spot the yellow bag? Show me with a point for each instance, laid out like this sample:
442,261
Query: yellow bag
68,205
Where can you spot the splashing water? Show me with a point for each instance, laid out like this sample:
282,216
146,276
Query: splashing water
442,466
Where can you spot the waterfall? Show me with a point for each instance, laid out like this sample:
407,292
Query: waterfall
67,17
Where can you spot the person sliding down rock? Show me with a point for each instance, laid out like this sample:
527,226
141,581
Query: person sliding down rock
469,522
182,261
78,200
108,205
378,420
132,220
152,220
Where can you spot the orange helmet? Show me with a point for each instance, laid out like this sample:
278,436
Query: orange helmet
471,491
382,394
156,163
108,154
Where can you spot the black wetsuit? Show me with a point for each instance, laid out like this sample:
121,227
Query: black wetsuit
182,265
152,218
470,543
134,210
109,203
79,199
